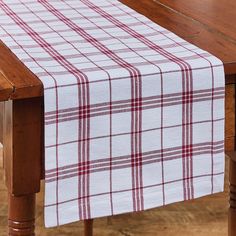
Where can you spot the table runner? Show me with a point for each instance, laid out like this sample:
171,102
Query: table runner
134,115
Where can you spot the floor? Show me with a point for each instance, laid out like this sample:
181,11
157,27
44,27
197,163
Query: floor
202,217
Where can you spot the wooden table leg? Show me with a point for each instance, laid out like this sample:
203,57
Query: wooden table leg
88,228
232,208
21,215
22,146
1,133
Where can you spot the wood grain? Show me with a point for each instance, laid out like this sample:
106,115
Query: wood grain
1,133
24,83
232,209
218,15
1,121
230,110
88,227
6,89
23,122
192,31
21,215
230,144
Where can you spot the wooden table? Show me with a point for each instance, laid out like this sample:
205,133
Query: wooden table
209,24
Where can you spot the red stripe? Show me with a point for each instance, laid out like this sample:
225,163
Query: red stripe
185,67
136,105
121,162
112,67
146,100
67,116
135,80
135,74
211,66
167,152
162,143
144,187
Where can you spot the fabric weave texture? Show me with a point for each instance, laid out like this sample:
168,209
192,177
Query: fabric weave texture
134,115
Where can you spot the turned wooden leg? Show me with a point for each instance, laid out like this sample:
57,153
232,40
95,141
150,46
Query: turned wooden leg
21,213
232,209
88,228
22,146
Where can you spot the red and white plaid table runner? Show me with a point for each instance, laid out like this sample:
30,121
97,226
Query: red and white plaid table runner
134,115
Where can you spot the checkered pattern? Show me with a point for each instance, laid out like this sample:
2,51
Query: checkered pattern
134,115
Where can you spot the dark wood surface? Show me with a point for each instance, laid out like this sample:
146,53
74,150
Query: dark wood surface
22,141
218,15
21,215
6,89
16,80
232,196
1,124
22,145
88,228
194,31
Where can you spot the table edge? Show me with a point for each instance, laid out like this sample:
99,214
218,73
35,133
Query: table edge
25,84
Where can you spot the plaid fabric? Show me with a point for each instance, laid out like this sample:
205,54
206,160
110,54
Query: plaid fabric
134,115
